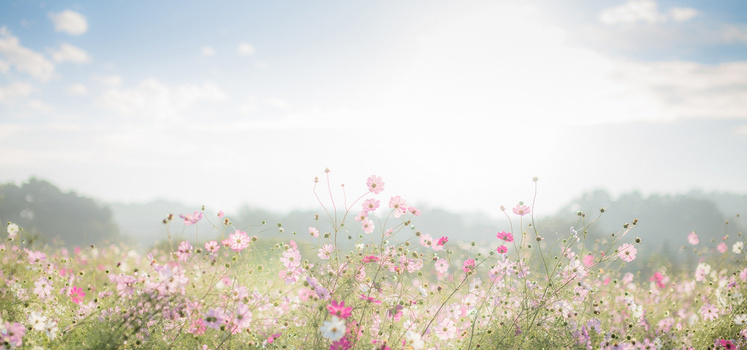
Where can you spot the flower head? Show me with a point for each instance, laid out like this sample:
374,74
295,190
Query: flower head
339,309
238,241
375,184
521,210
502,249
192,219
469,265
627,252
333,329
693,238
506,236
76,294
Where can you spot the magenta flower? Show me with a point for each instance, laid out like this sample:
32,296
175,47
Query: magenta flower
442,240
192,219
76,294
469,265
370,299
238,241
339,309
375,184
506,236
588,260
521,210
502,249
371,258
627,252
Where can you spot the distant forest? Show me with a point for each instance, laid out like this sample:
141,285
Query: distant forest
53,217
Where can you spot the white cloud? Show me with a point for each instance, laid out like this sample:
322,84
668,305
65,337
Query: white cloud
207,51
732,33
154,99
77,90
69,22
4,67
646,11
681,90
682,14
108,80
18,95
15,91
245,49
70,53
23,59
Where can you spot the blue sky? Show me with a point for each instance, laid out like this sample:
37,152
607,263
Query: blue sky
454,104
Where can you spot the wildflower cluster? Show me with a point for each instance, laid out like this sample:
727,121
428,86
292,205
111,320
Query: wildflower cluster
380,283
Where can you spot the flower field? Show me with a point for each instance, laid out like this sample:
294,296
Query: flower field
366,278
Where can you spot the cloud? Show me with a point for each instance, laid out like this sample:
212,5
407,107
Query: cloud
108,80
76,90
15,91
70,53
207,51
23,59
682,14
154,99
69,22
18,95
646,11
245,49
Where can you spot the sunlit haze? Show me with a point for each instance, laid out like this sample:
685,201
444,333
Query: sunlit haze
455,104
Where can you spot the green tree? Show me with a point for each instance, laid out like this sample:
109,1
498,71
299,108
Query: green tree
45,211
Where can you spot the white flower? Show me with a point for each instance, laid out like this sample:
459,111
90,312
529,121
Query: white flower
413,339
737,247
38,321
12,230
333,329
740,319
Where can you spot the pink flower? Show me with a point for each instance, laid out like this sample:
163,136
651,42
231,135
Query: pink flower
659,279
508,237
442,240
375,184
220,214
370,205
212,246
238,241
709,312
399,206
721,247
339,310
693,238
214,318
184,250
414,211
76,294
469,265
368,225
35,257
521,210
588,260
502,249
191,219
442,265
627,252
313,232
326,251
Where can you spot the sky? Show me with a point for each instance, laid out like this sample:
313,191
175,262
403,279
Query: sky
457,105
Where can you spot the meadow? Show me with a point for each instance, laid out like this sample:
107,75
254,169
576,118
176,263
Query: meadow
366,278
